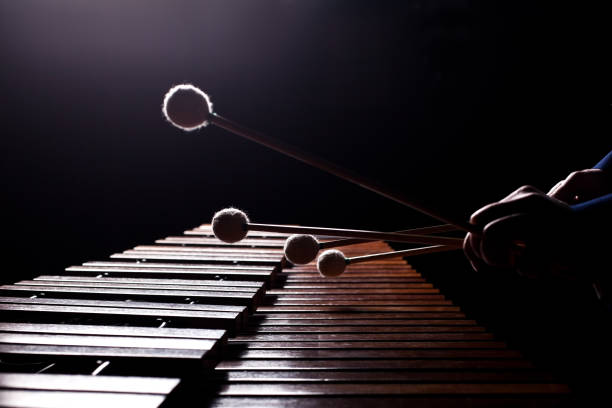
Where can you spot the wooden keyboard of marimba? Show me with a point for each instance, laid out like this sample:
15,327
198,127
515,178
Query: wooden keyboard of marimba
192,320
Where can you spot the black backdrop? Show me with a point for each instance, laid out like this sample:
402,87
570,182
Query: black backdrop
454,102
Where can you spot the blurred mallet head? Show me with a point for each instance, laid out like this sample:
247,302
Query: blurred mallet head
301,249
187,107
230,225
331,263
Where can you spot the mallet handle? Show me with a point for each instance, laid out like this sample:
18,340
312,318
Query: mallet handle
420,231
370,235
332,168
396,254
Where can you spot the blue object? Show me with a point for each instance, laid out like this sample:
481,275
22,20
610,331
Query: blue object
604,164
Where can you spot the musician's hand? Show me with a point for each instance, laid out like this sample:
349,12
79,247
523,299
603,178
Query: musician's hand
527,222
580,186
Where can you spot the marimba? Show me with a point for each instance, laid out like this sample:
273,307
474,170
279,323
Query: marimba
191,320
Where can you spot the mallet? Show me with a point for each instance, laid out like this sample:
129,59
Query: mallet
188,108
301,249
232,225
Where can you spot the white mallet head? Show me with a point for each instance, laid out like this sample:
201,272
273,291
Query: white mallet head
331,263
187,107
301,249
229,225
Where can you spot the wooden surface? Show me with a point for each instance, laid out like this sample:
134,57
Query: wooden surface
60,391
377,336
106,332
240,331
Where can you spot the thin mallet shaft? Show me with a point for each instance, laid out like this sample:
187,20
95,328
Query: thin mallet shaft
332,168
396,254
348,233
419,231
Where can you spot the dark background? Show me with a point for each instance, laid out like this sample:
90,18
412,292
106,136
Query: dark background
453,102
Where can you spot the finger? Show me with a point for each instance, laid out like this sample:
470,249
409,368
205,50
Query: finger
521,191
499,246
580,186
524,199
471,255
569,188
556,187
474,243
